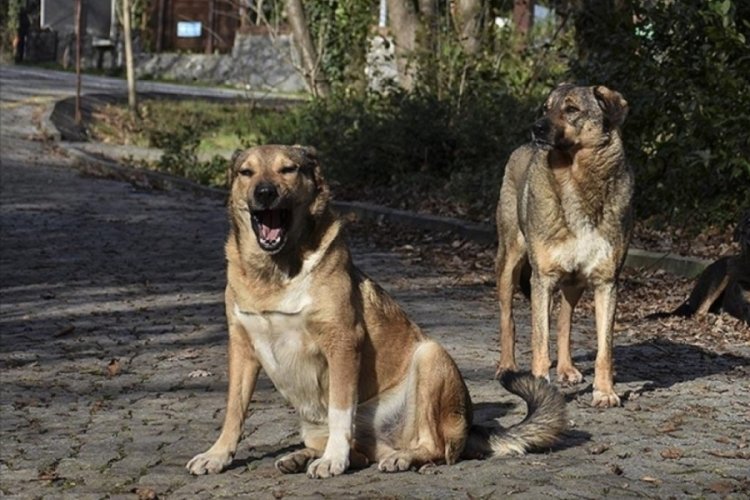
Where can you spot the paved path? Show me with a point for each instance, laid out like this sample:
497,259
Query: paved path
113,362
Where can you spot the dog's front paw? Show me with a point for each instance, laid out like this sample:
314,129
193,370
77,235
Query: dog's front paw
398,461
569,376
605,399
503,367
210,462
326,467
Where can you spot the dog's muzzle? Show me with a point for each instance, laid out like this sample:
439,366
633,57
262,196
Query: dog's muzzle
540,133
270,222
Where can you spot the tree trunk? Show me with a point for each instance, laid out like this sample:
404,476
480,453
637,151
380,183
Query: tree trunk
468,18
310,57
129,65
403,20
523,18
79,35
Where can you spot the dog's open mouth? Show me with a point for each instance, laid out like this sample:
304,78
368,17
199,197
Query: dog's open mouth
271,228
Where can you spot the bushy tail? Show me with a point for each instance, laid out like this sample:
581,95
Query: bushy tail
545,420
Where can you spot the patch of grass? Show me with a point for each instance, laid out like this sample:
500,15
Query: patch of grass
183,129
217,125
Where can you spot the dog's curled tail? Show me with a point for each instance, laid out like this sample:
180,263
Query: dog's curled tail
545,421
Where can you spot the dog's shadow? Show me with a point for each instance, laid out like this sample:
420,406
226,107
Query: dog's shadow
262,454
659,364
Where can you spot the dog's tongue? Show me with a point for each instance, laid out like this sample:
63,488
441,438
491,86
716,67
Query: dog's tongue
270,224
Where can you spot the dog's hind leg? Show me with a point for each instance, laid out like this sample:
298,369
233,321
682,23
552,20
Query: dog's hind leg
436,421
566,372
315,438
297,461
541,299
509,263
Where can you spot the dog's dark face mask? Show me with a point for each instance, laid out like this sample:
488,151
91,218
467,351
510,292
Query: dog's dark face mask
579,117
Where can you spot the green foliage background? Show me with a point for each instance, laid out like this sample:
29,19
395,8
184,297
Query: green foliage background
684,68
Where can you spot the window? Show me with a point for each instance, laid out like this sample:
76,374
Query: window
189,29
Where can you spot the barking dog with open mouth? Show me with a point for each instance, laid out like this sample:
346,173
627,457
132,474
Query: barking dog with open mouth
565,205
368,385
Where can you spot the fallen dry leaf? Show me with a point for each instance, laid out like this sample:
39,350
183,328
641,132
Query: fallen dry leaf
721,487
729,454
114,367
48,475
145,493
671,453
671,425
598,449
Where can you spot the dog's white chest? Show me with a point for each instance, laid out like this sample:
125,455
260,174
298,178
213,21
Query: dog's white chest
585,249
289,354
583,252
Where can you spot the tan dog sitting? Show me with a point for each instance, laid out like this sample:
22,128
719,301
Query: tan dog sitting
368,385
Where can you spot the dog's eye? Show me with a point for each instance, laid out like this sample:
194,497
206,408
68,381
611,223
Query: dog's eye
570,109
246,172
289,169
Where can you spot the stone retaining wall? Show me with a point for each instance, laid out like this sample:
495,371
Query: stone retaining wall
257,62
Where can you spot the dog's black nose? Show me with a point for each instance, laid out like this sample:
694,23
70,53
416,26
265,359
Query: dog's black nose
539,129
265,194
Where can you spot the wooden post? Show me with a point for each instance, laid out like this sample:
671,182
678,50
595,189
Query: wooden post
210,27
523,16
129,65
79,26
160,26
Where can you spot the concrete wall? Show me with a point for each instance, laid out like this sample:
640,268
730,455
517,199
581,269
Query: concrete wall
257,62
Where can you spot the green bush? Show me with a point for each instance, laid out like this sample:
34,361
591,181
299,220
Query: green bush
685,70
448,138
379,141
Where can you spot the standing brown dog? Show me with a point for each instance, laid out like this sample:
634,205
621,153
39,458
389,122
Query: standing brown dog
368,385
565,204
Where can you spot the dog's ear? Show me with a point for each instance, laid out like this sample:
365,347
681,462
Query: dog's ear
615,106
311,161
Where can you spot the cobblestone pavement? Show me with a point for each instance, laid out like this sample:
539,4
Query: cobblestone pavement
113,364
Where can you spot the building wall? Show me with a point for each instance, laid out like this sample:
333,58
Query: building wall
60,16
218,22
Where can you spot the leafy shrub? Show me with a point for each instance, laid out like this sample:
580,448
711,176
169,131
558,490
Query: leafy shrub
450,137
684,69
414,138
